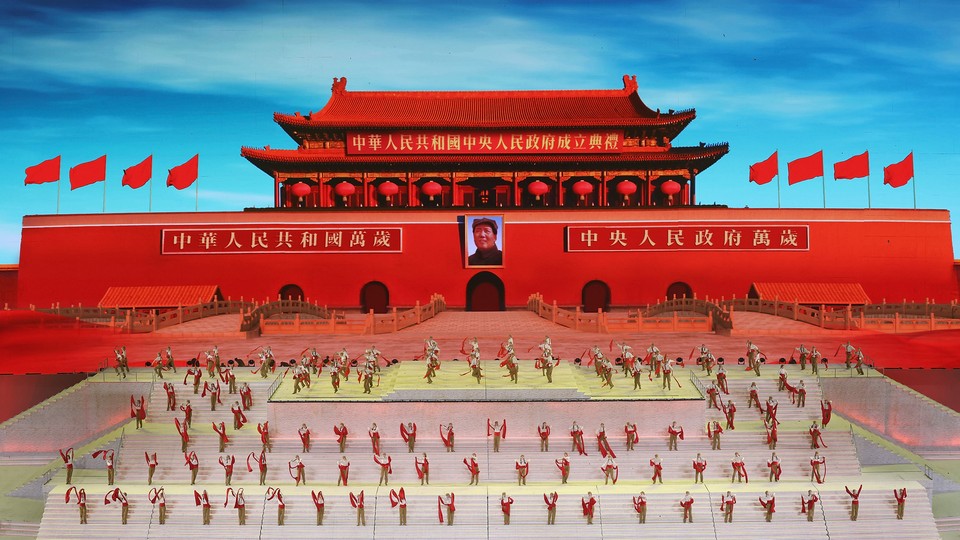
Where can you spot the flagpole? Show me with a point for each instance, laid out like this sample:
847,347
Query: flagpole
150,199
58,195
823,177
104,196
868,191
778,189
196,207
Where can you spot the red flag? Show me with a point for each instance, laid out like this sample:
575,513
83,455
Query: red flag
41,173
855,167
139,174
805,168
182,176
765,170
899,174
88,173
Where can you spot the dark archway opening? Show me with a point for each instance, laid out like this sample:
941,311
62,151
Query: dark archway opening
595,295
485,292
679,289
291,292
375,296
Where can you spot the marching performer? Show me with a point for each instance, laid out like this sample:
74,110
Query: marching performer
261,464
374,435
304,433
446,435
151,466
399,498
356,501
699,465
341,433
640,505
297,470
630,430
739,469
551,502
423,469
543,430
808,504
576,432
775,469
386,467
769,503
239,503
344,466
505,503
227,462
498,431
816,462
588,503
408,433
564,465
610,471
603,445
523,469
447,501
687,504
727,503
657,465
675,431
473,466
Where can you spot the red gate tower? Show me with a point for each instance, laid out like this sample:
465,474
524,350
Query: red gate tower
494,149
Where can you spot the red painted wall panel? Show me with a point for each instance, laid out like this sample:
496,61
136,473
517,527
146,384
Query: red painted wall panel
8,286
894,254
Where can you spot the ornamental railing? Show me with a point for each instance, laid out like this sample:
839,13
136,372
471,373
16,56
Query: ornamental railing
139,320
341,322
252,319
665,317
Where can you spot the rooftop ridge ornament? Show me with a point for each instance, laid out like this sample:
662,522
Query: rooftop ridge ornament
339,85
629,84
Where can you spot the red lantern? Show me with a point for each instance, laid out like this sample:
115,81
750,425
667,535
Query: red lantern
537,188
300,189
626,188
345,189
388,189
431,189
582,188
670,187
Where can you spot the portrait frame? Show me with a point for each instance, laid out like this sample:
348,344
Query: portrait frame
470,249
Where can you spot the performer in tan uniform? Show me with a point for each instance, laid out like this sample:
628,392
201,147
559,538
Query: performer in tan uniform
551,501
408,433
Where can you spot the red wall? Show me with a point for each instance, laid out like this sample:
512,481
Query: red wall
8,285
894,254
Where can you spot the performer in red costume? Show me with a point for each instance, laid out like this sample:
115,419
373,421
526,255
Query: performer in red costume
543,430
687,504
754,396
576,433
640,505
304,433
498,430
446,435
775,469
67,458
901,496
344,466
505,503
155,496
81,501
297,470
374,434
239,503
564,465
603,444
171,391
771,435
151,466
588,503
727,503
657,465
699,465
447,501
118,496
610,471
816,462
854,502
769,503
221,431
227,462
473,466
138,410
274,493
423,469
193,463
184,434
722,380
187,414
214,390
246,396
523,469
319,502
551,502
341,433
630,430
261,462
826,411
730,412
399,498
713,433
808,504
386,467
408,433
239,419
816,436
675,431
264,431
739,469
204,501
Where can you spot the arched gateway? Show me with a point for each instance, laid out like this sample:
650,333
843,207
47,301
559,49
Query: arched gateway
485,292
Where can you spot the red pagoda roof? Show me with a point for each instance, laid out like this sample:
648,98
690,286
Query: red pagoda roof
168,296
812,293
483,109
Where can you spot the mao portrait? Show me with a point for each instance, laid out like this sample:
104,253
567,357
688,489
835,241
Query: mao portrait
483,240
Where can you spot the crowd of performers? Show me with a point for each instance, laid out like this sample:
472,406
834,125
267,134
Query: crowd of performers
368,365
446,504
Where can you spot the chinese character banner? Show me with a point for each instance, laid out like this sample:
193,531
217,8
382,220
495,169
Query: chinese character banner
485,142
687,237
346,239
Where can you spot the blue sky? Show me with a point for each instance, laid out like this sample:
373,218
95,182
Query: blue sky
180,77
